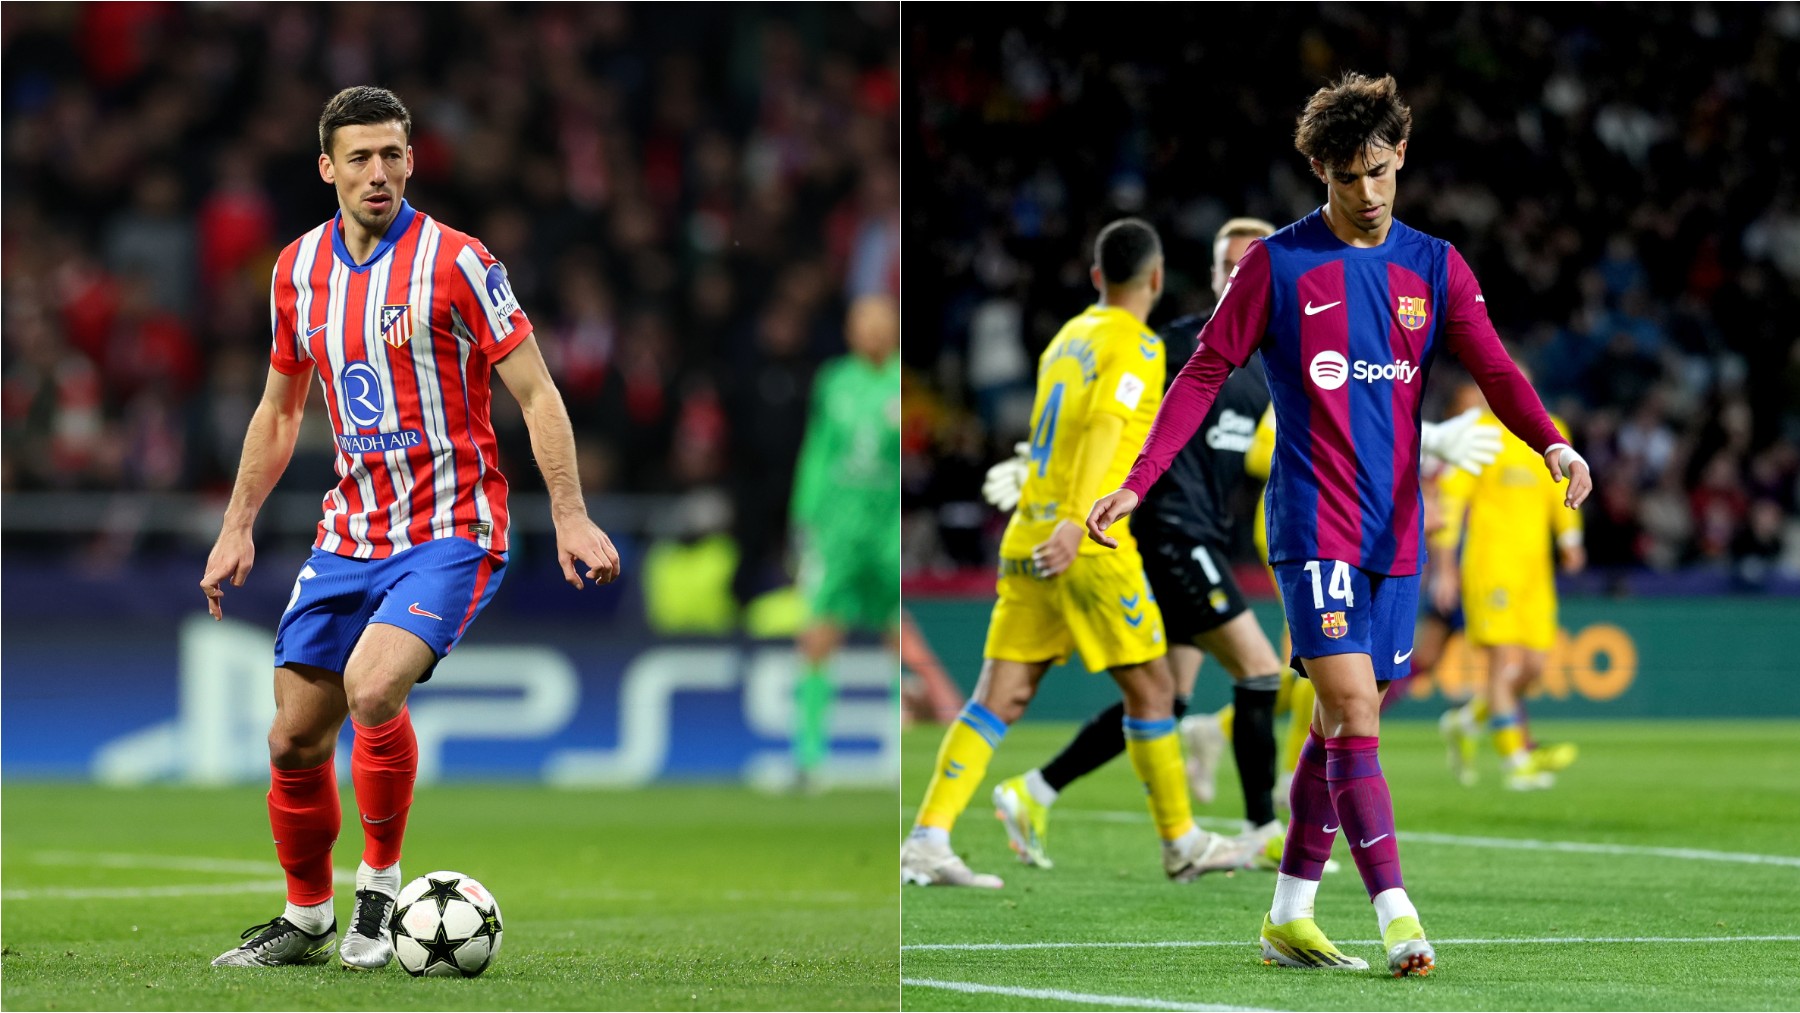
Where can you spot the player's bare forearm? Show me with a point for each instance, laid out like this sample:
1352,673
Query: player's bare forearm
268,447
553,444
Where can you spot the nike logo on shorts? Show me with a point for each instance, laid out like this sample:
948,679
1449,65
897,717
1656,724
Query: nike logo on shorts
1398,657
417,611
1377,840
1313,311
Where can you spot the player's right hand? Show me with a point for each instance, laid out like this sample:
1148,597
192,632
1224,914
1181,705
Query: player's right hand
1005,481
1109,510
581,541
232,557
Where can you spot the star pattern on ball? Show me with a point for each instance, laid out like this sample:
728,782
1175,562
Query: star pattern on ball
443,891
440,950
490,927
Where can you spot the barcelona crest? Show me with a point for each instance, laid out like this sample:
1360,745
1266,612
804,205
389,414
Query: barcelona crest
396,325
1412,312
1334,625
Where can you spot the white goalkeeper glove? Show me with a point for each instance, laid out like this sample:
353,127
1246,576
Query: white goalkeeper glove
1006,481
1460,443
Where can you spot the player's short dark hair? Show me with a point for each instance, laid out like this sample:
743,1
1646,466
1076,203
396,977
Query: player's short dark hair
359,105
1342,120
1124,248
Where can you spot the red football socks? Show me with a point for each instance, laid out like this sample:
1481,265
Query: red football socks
1313,825
383,764
305,815
1359,792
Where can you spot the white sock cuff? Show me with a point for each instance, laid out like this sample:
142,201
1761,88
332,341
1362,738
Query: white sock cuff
1040,789
313,918
382,880
1293,898
1391,904
931,835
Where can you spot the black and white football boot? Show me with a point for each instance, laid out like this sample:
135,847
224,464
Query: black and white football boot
277,943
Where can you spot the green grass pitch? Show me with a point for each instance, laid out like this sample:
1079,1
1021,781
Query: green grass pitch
698,898
1627,852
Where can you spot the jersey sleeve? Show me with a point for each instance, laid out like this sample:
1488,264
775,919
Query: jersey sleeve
1129,365
287,353
483,297
1476,344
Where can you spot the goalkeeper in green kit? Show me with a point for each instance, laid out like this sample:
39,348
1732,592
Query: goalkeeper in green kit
846,513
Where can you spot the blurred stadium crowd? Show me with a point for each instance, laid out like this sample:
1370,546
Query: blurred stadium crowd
1622,179
685,199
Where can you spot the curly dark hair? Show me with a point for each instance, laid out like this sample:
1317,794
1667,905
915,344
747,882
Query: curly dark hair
358,105
1342,120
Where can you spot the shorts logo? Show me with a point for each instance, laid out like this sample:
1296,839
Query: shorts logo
417,611
1219,601
1333,625
1411,311
396,325
1329,370
1132,619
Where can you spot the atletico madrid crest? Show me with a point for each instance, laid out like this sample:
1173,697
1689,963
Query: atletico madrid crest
1334,625
1412,312
396,325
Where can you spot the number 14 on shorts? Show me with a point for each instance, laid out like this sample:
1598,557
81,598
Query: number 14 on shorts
1340,586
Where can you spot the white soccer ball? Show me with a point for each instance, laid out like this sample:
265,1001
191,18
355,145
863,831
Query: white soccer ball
445,925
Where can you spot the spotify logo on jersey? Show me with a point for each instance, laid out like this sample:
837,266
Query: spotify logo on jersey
1329,370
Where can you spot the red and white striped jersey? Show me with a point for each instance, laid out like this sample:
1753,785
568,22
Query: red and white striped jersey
404,345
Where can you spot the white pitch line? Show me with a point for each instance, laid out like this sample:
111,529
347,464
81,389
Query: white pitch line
1499,843
1082,999
1187,943
143,892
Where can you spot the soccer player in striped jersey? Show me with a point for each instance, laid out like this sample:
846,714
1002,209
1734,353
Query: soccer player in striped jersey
1349,308
402,319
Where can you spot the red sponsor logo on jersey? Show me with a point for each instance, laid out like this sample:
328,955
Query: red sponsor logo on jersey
1334,625
1412,312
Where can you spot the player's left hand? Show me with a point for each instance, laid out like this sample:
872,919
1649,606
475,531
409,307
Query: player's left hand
1564,463
1058,552
580,540
1460,442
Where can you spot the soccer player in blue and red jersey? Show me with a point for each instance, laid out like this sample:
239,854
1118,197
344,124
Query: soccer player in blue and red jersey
1349,308
403,320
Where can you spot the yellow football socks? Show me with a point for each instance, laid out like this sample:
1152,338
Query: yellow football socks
1156,756
962,762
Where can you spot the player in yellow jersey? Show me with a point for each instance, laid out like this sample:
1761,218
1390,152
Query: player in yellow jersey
1505,519
1099,384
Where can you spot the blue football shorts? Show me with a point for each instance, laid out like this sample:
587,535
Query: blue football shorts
432,590
1336,608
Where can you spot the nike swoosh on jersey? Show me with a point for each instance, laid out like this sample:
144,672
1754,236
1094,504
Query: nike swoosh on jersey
310,331
417,611
1313,311
1398,657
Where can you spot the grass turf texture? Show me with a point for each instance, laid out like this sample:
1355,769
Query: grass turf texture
1725,786
672,898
